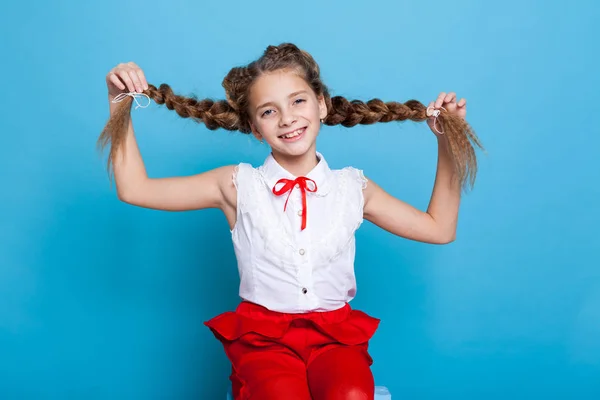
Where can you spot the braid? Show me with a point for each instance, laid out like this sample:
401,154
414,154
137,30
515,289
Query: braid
232,113
457,130
236,85
214,114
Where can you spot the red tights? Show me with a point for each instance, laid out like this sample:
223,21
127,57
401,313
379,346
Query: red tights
342,373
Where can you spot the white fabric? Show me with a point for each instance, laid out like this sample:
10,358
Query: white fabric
282,267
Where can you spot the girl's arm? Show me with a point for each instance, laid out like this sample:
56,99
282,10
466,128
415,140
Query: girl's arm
205,190
438,224
211,189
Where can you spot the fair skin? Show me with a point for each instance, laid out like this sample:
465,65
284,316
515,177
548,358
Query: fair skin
283,103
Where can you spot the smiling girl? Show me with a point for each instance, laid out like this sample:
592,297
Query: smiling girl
293,218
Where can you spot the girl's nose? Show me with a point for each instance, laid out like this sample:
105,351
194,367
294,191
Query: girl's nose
287,118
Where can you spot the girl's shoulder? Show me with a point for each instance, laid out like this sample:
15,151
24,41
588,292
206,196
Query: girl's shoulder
352,173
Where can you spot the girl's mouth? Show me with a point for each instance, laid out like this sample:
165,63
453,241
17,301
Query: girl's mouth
293,136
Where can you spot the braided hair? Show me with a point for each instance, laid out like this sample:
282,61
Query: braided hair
232,113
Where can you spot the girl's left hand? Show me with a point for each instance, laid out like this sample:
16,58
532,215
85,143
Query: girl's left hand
448,101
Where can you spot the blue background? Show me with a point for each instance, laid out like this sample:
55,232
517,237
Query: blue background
102,300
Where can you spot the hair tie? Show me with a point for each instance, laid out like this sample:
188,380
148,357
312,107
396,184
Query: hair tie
432,112
120,97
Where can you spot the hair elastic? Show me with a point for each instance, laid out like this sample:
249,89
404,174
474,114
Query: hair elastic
431,112
120,97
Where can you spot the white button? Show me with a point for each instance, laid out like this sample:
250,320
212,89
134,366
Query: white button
299,213
302,252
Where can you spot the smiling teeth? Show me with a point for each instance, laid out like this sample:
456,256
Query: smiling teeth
293,134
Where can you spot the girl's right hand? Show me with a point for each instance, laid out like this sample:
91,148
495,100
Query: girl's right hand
124,78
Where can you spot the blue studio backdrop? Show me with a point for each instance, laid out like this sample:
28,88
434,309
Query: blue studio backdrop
103,300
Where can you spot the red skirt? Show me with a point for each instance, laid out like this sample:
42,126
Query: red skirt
344,325
252,333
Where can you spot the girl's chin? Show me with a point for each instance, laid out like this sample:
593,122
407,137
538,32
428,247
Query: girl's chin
297,150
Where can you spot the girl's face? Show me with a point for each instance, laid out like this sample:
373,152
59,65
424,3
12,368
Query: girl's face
286,113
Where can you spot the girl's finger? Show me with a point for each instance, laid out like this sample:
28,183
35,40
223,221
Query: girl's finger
430,117
124,75
136,80
440,100
450,97
462,102
116,81
142,77
431,105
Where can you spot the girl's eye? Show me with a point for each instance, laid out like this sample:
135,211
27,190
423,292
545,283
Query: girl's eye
269,112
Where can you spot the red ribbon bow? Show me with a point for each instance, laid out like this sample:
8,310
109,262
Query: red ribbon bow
288,186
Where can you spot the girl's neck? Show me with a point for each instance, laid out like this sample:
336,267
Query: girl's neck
298,165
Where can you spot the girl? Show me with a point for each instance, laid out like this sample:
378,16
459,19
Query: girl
292,219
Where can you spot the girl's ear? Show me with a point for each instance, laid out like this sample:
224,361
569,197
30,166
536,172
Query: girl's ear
322,107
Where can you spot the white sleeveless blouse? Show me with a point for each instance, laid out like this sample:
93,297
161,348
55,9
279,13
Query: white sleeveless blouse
283,267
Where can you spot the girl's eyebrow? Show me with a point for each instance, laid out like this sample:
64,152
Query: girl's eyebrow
270,103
